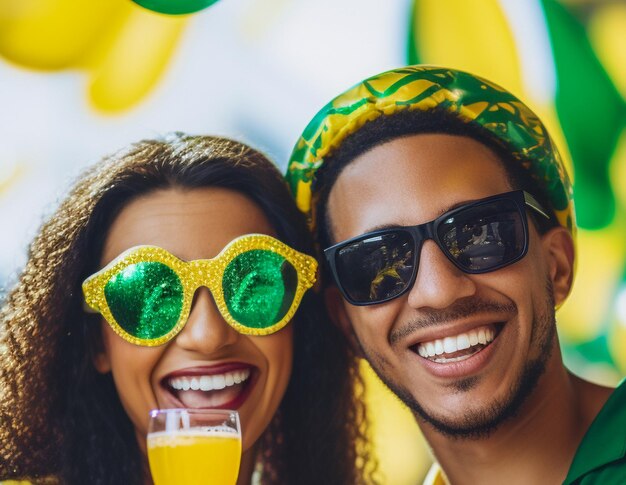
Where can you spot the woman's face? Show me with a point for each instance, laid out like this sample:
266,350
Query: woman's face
195,224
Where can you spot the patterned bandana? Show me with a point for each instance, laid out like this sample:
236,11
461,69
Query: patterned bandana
470,98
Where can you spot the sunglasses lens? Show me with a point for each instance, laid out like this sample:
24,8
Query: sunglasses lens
484,237
146,299
259,288
376,268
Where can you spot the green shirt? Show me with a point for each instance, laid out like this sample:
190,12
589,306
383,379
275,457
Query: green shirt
601,455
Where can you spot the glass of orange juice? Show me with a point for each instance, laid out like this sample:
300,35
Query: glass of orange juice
194,446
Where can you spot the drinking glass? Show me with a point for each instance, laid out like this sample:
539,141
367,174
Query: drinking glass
194,446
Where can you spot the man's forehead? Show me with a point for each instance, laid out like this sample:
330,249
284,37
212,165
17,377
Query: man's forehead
412,180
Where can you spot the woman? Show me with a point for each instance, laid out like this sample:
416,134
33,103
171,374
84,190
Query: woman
76,388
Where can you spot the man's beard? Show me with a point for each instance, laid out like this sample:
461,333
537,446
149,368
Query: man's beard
477,424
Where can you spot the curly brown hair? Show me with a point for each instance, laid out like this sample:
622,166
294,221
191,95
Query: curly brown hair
62,421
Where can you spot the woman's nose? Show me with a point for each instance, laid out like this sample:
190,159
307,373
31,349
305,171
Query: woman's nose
206,331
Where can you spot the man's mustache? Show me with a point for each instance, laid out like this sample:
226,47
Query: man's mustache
460,309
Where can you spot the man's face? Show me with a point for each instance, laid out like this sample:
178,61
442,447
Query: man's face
468,392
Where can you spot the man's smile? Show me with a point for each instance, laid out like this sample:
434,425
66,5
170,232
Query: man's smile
455,348
460,349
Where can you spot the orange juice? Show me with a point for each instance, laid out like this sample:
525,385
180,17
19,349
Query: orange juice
194,457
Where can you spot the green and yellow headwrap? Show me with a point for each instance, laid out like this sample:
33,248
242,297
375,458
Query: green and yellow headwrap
468,97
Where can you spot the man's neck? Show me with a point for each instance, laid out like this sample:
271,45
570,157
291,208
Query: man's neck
536,446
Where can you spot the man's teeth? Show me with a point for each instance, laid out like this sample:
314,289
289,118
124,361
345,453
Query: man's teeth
209,383
454,343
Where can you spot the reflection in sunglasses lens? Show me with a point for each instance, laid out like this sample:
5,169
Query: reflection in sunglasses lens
376,268
484,237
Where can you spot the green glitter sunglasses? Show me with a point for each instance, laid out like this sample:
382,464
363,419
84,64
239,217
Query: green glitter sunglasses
146,293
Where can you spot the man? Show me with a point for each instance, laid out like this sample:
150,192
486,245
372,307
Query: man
447,220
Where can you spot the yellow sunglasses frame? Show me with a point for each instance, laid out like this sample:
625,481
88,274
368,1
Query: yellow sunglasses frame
193,275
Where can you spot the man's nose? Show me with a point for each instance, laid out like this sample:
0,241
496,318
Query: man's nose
438,283
206,331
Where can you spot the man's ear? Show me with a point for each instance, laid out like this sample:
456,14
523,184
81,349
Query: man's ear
559,248
336,306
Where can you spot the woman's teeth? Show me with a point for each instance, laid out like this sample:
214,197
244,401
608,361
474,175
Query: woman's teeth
209,382
440,350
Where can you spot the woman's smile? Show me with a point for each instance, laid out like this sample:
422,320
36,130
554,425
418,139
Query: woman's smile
224,386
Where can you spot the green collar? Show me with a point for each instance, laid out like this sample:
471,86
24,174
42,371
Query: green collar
605,440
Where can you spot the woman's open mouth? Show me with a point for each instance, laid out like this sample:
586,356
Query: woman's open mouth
224,387
455,348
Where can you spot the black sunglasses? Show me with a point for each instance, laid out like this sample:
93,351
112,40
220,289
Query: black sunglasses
478,237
